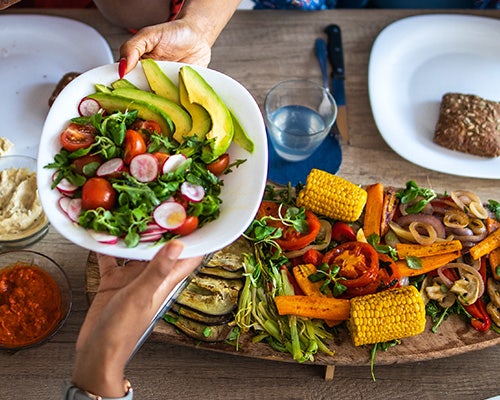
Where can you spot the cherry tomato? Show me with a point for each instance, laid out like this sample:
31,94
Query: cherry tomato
358,262
77,136
312,256
342,232
218,166
189,226
160,157
134,144
87,165
98,192
149,125
290,239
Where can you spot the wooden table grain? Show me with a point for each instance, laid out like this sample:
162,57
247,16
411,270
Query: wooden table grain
259,49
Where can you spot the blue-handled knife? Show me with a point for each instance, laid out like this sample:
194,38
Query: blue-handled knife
336,58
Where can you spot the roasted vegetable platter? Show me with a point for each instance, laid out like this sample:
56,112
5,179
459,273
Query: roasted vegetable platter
311,259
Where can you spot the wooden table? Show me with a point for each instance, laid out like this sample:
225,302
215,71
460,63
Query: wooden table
260,48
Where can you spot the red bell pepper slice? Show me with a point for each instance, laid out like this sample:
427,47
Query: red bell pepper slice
342,232
291,239
480,319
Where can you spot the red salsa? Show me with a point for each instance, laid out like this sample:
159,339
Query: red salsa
30,305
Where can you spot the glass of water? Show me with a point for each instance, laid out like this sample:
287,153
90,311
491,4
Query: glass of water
299,114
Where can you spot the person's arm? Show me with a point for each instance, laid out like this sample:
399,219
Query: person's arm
127,300
189,38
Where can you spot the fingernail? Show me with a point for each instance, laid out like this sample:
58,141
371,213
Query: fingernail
122,66
174,249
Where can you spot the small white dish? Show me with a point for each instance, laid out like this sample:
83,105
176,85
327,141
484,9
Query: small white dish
35,53
416,60
242,190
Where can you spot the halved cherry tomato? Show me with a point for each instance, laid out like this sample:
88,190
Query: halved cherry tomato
342,232
189,226
161,157
133,144
218,166
77,136
98,192
358,262
290,239
149,125
87,165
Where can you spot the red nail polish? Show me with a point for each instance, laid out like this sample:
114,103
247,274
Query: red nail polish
122,66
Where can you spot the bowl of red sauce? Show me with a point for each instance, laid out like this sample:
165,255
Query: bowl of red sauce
35,299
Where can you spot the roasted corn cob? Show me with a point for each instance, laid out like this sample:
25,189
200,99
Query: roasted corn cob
332,196
388,315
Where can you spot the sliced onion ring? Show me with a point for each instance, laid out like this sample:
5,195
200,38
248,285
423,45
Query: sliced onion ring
466,199
422,239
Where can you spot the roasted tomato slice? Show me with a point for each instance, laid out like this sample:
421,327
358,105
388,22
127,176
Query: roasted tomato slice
98,192
358,262
77,136
342,232
291,239
134,144
388,277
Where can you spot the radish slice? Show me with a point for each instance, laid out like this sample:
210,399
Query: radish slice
74,209
192,191
173,162
153,227
88,107
66,187
169,215
110,167
144,167
103,237
64,203
150,237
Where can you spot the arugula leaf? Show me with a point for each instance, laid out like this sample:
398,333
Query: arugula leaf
416,197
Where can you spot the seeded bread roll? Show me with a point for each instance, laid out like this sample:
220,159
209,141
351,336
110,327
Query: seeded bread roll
469,124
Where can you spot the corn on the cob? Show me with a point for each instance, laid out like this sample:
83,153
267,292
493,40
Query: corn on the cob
388,315
332,196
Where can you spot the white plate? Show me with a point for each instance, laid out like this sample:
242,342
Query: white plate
35,52
414,62
242,190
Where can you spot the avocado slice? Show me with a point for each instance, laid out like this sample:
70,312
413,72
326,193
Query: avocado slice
180,118
240,135
112,102
123,84
200,92
159,82
200,117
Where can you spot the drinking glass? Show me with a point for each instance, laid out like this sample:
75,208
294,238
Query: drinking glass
299,114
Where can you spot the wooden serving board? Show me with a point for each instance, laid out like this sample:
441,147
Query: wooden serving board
453,337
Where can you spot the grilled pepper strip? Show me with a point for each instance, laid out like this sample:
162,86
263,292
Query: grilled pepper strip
480,319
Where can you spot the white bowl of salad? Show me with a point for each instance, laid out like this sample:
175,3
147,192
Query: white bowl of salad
113,181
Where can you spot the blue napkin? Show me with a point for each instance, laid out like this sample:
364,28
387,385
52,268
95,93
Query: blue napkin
327,157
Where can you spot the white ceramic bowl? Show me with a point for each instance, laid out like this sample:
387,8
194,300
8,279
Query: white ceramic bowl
38,230
242,190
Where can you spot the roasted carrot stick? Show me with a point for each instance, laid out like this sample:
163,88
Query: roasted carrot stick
429,263
494,259
486,246
328,308
418,250
373,209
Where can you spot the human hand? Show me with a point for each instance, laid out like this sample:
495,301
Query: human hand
127,299
170,41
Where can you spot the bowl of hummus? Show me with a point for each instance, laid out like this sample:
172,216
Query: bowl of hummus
22,220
